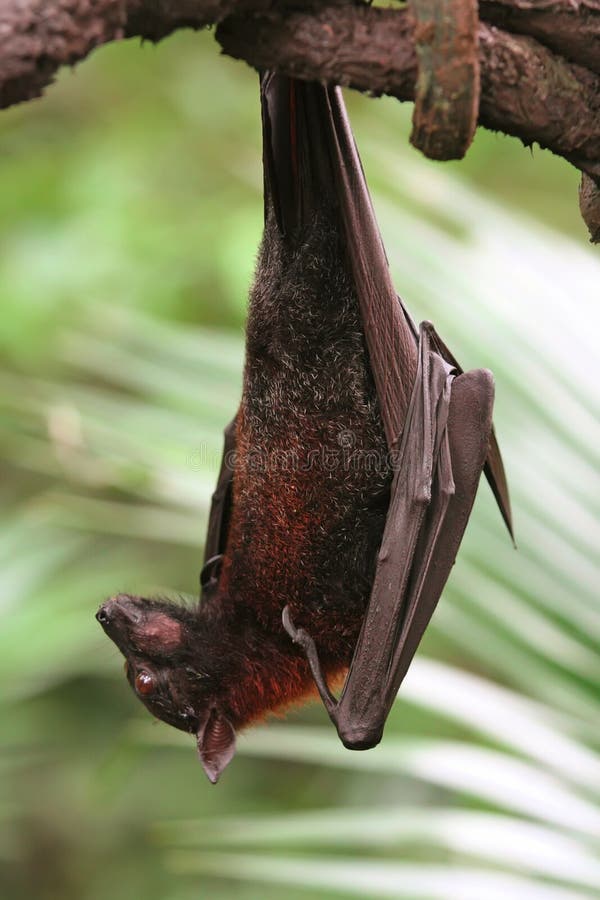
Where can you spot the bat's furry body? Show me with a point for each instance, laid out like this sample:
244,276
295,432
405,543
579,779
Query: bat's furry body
324,401
311,484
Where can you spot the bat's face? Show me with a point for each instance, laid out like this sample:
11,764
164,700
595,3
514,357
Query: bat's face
163,650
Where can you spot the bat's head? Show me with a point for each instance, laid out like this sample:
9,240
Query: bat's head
170,663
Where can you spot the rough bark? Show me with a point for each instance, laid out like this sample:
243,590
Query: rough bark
569,27
546,99
589,204
448,82
36,37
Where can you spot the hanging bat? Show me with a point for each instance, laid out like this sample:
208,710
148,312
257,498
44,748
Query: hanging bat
348,476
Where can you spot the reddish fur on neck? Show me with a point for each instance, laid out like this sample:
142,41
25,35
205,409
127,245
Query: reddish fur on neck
271,690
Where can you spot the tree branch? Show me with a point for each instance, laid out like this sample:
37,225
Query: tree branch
448,82
589,205
526,91
37,37
569,27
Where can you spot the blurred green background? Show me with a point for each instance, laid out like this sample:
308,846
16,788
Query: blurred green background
130,216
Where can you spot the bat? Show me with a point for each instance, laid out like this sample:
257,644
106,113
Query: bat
348,474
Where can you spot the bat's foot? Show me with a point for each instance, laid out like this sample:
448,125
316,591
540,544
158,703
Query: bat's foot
298,635
303,639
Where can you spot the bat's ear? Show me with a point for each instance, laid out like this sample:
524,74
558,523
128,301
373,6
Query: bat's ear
216,744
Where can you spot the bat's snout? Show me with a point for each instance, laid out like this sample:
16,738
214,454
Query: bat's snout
116,611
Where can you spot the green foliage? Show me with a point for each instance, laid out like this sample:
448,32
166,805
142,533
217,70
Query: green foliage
131,215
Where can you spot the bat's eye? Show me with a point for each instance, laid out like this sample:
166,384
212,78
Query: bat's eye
145,683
